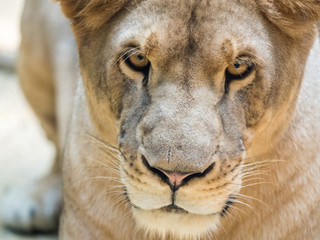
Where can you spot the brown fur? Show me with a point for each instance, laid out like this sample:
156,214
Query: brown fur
91,14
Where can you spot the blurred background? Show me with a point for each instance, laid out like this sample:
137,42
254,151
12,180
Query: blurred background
25,152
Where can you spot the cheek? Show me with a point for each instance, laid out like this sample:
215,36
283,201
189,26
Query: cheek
117,87
252,101
236,85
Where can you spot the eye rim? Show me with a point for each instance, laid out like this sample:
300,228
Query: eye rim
126,59
229,78
250,67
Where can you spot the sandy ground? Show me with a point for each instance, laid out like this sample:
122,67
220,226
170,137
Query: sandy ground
25,153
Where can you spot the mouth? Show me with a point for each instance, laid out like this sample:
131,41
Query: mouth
174,209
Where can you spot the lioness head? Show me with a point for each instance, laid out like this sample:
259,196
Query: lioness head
197,87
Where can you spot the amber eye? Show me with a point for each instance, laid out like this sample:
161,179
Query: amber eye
138,60
237,69
135,65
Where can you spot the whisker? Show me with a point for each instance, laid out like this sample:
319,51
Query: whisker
256,184
256,164
101,141
115,187
244,197
128,213
105,177
122,198
111,179
250,181
237,210
253,174
246,204
105,166
114,156
255,171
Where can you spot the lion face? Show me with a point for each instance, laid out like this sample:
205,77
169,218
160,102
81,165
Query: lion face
197,87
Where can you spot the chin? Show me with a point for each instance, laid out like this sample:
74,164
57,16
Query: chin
179,224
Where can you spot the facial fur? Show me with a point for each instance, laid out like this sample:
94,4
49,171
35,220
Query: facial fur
185,113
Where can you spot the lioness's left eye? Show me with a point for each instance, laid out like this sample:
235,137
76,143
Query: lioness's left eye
135,65
237,68
137,62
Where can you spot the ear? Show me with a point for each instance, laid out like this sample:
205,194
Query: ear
91,14
294,17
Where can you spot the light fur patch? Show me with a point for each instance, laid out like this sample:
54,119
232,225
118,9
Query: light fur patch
180,225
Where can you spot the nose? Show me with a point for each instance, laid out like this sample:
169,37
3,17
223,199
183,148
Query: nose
173,178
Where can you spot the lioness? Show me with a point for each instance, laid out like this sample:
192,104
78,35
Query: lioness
191,120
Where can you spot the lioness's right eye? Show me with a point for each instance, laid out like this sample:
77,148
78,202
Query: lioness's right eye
239,70
135,65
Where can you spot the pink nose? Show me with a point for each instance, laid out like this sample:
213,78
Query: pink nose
175,178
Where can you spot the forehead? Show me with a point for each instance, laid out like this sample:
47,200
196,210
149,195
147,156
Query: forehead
210,30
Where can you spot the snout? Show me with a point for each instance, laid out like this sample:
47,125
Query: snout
179,139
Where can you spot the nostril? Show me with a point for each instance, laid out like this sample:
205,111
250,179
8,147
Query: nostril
173,178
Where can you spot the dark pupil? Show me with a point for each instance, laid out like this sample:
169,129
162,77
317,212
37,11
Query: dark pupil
140,57
236,65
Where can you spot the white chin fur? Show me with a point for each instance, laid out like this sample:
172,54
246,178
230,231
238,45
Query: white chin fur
179,225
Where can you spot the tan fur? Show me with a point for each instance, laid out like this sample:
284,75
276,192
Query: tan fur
261,133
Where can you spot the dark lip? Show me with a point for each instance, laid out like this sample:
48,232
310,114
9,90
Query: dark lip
172,208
